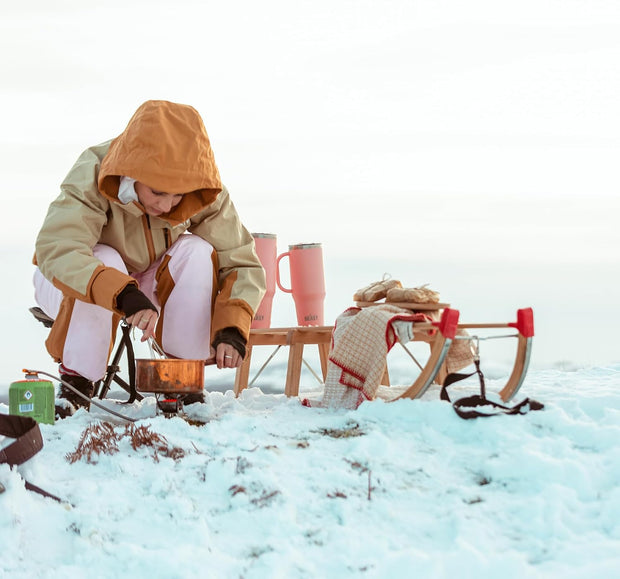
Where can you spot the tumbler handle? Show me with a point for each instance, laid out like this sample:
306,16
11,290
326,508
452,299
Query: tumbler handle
282,255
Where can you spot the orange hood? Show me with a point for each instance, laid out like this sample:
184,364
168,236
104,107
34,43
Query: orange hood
166,147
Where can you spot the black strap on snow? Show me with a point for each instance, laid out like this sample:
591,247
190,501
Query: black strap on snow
28,442
480,400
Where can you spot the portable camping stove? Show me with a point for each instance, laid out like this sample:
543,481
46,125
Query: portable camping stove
169,404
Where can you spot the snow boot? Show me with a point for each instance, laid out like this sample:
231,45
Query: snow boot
68,401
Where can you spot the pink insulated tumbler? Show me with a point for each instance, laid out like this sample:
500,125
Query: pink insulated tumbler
307,282
267,251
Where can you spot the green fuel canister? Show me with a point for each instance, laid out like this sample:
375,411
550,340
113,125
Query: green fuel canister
32,397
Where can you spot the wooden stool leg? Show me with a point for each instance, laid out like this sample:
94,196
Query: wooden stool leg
293,374
324,357
243,372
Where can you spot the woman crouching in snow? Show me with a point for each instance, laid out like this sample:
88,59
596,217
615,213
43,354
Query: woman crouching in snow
143,229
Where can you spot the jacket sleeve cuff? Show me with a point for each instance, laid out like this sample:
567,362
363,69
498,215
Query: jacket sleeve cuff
107,283
232,313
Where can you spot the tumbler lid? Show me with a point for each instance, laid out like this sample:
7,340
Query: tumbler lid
265,235
304,246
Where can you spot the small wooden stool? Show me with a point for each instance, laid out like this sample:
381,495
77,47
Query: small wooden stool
295,338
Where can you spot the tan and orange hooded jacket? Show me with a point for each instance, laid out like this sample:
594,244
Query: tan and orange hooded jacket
166,147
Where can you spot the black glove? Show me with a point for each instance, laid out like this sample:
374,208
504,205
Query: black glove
230,336
132,300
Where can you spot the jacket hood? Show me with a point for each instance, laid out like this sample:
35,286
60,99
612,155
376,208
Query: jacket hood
166,147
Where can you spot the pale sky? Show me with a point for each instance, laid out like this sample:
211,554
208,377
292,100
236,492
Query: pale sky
482,131
324,114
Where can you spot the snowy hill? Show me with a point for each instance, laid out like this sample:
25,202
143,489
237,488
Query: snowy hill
268,488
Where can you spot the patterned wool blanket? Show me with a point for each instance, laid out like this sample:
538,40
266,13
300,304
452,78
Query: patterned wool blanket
361,341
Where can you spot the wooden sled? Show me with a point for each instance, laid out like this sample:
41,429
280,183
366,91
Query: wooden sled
441,334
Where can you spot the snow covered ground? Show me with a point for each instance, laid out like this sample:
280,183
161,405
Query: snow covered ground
268,488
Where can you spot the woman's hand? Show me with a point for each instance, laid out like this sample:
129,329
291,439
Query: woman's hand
144,320
225,356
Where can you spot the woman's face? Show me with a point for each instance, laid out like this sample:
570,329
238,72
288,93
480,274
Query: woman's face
156,202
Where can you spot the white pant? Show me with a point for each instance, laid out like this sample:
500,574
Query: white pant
185,322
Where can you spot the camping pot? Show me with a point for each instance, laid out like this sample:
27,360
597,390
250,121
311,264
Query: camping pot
170,375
